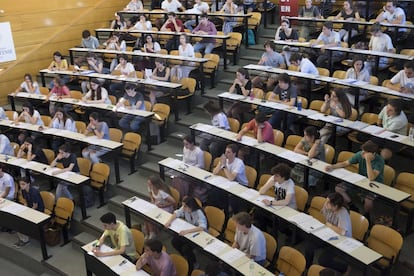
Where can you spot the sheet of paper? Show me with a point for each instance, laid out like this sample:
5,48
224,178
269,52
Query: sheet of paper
325,233
393,136
260,199
123,267
249,141
18,162
232,256
354,177
358,125
203,127
173,163
14,209
141,205
215,247
372,129
348,245
249,194
341,173
292,156
49,171
231,96
66,175
179,225
311,225
299,218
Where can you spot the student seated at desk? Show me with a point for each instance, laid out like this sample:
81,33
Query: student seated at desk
70,164
205,27
97,94
338,105
285,32
308,11
393,15
58,64
229,22
392,117
172,6
143,24
348,13
147,45
134,5
172,24
360,73
5,146
29,115
262,129
242,85
61,120
28,85
6,184
192,213
118,23
89,41
199,7
160,73
159,261
283,185
125,69
403,81
382,43
328,38
304,64
269,58
121,238
101,130
184,50
32,151
59,91
135,99
96,65
249,239
32,199
338,219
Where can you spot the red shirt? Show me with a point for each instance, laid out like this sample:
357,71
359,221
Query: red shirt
171,26
60,91
267,131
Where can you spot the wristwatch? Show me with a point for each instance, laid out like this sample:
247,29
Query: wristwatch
271,202
224,166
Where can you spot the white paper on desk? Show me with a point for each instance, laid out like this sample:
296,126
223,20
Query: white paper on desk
173,163
49,171
66,175
179,225
389,135
341,173
311,225
260,199
20,162
249,141
349,80
317,116
348,245
299,218
123,267
372,129
142,205
203,127
91,139
354,177
14,209
228,184
232,256
49,130
249,194
292,156
308,112
360,82
215,247
325,233
231,96
358,125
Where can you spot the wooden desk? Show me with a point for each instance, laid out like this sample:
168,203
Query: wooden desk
24,220
200,61
171,86
222,37
110,265
213,246
362,254
72,178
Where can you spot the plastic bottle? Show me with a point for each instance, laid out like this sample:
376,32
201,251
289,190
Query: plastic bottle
411,134
299,104
251,267
281,273
251,96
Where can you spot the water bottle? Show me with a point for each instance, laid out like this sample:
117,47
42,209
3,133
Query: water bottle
411,134
281,273
251,267
251,96
299,104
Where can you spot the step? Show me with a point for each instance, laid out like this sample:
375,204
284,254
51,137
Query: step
81,239
135,185
67,261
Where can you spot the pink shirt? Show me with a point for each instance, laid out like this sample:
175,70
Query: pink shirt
162,266
267,131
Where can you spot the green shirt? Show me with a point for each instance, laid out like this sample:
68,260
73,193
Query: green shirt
377,164
122,236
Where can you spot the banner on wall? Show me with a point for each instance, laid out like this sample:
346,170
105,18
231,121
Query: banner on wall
7,51
288,7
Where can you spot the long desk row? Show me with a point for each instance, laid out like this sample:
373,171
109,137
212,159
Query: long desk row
315,230
389,194
171,86
231,256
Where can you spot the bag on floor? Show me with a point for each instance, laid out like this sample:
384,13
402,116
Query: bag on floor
89,196
52,234
155,133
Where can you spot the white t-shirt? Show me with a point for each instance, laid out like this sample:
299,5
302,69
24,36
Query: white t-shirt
220,120
253,243
5,146
26,88
68,125
362,76
140,26
284,189
36,114
381,43
306,66
172,6
237,166
104,95
194,157
393,16
333,37
125,70
199,8
402,79
7,181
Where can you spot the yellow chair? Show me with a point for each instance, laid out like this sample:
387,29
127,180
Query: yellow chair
46,119
161,116
234,125
112,98
360,225
80,126
207,160
15,147
188,85
409,52
271,246
279,137
130,148
317,105
62,215
301,198
290,261
48,201
210,67
387,242
405,183
215,218
147,105
176,195
346,155
315,208
233,45
11,115
230,231
251,174
50,155
84,165
197,272
329,153
76,94
292,141
115,134
181,264
262,181
138,237
369,118
44,90
321,87
99,179
389,175
315,270
304,101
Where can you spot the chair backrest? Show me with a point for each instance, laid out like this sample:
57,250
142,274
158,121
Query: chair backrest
230,231
304,101
48,201
369,118
131,143
84,165
176,195
189,84
262,181
76,94
197,272
271,246
115,134
112,98
373,80
63,210
258,93
11,114
162,111
316,105
301,198
315,208
215,218
44,90
234,124
46,119
138,237
389,175
354,115
315,270
80,126
181,264
405,183
292,141
359,225
323,71
50,155
339,74
291,262
279,137
15,147
387,242
147,105
251,174
207,160
329,153
346,155
213,62
99,175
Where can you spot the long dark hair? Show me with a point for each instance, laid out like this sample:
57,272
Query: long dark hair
65,115
30,107
98,90
193,205
158,183
344,101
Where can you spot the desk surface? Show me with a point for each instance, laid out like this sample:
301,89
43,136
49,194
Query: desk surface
22,211
218,36
301,220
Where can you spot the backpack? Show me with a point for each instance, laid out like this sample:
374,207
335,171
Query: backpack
252,40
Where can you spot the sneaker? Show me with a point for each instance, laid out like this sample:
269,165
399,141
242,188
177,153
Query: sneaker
19,244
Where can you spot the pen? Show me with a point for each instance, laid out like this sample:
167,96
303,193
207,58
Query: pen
207,176
333,238
210,241
123,262
196,234
158,216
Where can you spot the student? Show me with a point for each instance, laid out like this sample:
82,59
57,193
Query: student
328,38
192,213
159,261
121,238
184,50
136,101
32,200
174,25
403,81
28,85
89,41
29,115
304,65
285,32
229,22
97,93
143,24
59,91
392,15
308,11
262,129
134,5
118,23
59,64
6,184
70,164
199,7
348,13
392,117
379,42
101,130
160,195
283,185
205,27
32,151
126,69
61,120
94,64
269,58
172,6
358,72
249,239
242,85
160,73
232,167
5,146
